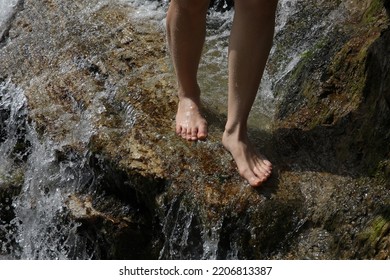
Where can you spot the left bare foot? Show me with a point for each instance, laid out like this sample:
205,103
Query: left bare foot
252,166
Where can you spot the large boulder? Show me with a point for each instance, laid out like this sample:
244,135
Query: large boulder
101,96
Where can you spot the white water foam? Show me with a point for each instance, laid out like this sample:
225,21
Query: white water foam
7,8
12,100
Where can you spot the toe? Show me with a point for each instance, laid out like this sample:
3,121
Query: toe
255,181
251,177
178,129
194,134
264,166
260,173
202,132
184,133
265,162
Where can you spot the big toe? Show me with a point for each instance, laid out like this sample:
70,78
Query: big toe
255,181
252,178
202,131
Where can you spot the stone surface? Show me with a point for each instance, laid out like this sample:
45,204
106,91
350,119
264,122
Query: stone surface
100,84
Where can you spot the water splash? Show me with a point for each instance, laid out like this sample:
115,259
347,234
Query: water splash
211,237
43,230
37,227
12,115
148,10
13,149
178,227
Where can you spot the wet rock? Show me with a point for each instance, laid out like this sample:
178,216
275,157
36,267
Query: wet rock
117,233
343,83
100,86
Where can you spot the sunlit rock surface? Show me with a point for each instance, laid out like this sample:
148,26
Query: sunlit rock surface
98,140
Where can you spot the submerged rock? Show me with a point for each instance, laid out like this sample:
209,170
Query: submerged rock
101,93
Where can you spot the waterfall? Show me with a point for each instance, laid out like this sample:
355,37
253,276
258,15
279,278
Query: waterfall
186,237
39,229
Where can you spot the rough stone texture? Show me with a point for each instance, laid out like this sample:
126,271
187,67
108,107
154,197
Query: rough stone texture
85,64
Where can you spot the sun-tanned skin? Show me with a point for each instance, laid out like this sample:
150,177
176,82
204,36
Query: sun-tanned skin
250,42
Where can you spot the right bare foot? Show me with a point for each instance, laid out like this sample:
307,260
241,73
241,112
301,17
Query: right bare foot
190,124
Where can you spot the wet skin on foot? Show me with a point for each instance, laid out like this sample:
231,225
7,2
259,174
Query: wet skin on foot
190,124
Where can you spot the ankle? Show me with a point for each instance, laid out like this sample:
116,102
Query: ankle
189,102
236,131
190,93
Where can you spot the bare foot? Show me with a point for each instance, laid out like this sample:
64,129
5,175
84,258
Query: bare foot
252,166
190,124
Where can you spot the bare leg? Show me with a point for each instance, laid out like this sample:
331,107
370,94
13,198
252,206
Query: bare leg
249,46
186,28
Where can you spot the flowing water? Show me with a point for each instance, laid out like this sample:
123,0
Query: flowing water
39,227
